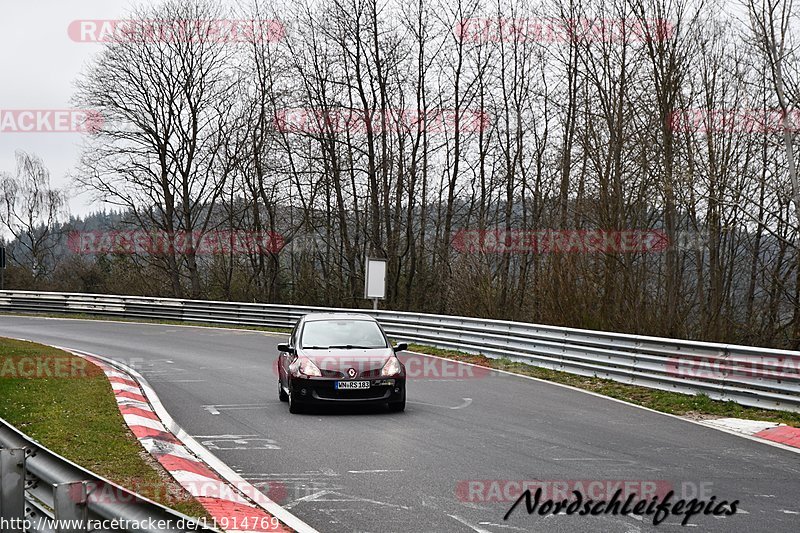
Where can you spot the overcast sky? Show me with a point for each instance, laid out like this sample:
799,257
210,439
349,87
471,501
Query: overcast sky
39,64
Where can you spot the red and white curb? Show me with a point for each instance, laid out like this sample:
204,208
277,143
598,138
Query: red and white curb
235,504
780,433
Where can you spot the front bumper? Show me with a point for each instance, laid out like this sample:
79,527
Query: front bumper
324,390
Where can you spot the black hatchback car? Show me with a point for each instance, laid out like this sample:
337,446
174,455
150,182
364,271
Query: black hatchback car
340,358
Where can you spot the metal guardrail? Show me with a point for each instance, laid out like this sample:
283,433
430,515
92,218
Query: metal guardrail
42,492
759,377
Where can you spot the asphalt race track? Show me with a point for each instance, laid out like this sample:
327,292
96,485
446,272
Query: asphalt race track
369,470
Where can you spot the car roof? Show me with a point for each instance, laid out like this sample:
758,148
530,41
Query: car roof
336,316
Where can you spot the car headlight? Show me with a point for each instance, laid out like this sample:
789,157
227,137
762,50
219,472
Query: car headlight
392,367
305,366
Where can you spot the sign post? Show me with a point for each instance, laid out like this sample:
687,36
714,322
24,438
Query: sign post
375,280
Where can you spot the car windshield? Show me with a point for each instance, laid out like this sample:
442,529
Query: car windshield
346,334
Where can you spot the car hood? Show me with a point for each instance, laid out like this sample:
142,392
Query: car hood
341,360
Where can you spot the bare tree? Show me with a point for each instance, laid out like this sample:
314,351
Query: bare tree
31,209
166,107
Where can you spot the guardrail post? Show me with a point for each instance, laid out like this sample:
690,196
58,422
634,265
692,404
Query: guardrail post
12,489
69,504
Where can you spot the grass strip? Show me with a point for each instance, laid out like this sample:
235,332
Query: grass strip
67,404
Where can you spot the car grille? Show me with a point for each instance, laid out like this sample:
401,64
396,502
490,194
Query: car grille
366,374
374,393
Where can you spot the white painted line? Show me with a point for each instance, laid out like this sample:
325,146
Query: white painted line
223,436
747,427
503,526
308,498
467,403
472,527
372,471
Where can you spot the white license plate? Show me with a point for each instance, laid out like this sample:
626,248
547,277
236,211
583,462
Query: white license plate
352,384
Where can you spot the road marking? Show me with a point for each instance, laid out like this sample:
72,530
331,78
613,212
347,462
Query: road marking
223,436
473,528
467,403
505,526
372,471
319,497
240,442
584,459
309,498
214,409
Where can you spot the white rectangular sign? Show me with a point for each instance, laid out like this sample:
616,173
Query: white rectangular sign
375,282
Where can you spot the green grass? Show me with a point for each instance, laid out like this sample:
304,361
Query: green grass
699,406
69,407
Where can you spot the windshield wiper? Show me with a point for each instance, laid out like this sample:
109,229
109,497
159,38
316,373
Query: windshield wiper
353,347
317,347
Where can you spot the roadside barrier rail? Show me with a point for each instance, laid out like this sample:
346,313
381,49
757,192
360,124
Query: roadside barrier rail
41,491
758,377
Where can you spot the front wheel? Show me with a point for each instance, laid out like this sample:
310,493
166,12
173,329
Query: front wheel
282,393
294,407
397,407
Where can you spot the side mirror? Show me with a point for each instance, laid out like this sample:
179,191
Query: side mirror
284,348
401,347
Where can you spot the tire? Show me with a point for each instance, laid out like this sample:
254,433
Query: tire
397,407
282,396
294,407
